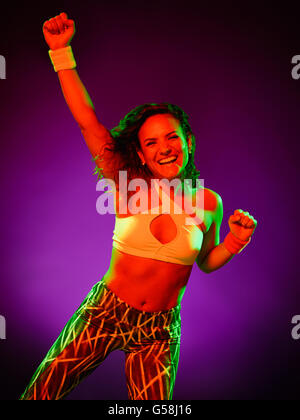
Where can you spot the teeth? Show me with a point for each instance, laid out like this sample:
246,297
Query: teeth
173,158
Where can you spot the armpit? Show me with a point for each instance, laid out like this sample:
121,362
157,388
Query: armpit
108,162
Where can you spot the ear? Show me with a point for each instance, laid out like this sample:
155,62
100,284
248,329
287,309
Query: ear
140,153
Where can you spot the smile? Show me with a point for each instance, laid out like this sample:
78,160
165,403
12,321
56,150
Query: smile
165,161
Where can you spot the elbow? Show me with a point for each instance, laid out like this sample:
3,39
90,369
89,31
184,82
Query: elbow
87,120
205,269
203,265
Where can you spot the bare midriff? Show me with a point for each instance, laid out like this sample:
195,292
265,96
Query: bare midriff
146,284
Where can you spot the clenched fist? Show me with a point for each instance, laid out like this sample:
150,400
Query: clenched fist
242,225
59,31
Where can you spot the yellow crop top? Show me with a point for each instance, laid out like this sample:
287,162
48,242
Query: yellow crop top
132,235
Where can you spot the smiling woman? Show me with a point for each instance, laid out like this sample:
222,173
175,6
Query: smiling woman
136,305
143,132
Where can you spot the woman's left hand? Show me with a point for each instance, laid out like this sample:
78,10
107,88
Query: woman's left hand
242,225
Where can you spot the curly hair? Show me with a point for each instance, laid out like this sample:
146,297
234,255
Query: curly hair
126,141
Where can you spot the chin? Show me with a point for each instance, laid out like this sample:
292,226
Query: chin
167,174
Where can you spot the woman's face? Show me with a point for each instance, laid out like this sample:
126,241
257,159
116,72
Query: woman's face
164,148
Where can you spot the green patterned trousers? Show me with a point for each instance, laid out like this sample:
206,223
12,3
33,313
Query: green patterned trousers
102,324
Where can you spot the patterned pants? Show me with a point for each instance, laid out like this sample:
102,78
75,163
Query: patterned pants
103,323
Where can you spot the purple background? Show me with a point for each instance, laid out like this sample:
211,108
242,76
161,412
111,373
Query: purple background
229,68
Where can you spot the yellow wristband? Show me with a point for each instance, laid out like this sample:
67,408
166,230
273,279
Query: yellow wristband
62,58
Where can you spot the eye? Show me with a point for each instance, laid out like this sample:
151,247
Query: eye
149,144
174,137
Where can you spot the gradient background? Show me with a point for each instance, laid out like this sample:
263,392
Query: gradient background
229,67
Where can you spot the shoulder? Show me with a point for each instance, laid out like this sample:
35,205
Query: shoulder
209,207
209,199
212,200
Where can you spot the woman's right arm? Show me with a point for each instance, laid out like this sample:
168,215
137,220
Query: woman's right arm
58,33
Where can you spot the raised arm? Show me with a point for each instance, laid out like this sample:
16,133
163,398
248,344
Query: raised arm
58,33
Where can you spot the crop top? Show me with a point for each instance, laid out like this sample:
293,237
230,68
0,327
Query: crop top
132,235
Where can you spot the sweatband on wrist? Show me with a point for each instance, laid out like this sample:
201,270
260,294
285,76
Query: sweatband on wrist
235,245
62,58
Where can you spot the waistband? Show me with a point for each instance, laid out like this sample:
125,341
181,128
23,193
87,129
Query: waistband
108,300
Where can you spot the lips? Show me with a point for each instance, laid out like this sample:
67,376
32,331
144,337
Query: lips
168,160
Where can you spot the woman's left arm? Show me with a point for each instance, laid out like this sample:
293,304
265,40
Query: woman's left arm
213,254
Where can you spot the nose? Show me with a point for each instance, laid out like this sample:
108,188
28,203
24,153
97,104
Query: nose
165,150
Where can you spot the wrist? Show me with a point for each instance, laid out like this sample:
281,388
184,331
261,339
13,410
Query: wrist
62,58
235,245
52,48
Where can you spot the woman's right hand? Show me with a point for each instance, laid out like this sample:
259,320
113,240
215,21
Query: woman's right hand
59,31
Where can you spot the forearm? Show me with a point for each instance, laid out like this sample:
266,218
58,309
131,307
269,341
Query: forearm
77,97
58,33
217,258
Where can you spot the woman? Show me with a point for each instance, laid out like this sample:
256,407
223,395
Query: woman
136,305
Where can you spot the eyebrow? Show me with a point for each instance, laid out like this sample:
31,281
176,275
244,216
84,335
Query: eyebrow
154,138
